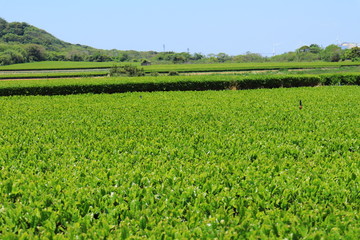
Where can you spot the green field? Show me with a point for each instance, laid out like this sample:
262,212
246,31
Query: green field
53,75
172,83
180,165
56,65
181,67
76,73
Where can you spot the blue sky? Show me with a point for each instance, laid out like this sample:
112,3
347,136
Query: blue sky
205,26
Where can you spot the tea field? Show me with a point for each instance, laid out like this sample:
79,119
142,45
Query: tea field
52,65
182,165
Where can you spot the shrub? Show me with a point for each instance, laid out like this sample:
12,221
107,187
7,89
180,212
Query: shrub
126,70
154,74
173,73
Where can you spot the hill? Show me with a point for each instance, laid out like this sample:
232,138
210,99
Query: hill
23,33
21,42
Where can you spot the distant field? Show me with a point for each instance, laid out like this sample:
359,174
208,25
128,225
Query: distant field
57,65
52,75
180,67
244,66
81,73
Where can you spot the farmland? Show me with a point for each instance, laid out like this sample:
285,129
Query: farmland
156,159
61,70
180,67
162,165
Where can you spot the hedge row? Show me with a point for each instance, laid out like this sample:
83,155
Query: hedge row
52,75
254,82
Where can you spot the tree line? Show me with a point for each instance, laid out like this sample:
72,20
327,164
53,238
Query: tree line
21,42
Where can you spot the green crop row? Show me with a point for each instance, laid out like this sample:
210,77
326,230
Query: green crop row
245,66
181,67
53,75
175,83
48,65
182,165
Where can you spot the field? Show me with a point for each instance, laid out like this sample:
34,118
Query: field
155,160
52,75
56,65
180,67
213,164
61,70
172,83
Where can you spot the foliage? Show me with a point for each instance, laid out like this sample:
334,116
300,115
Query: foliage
145,62
332,53
126,70
154,74
222,57
48,65
315,48
22,35
352,54
173,73
248,57
54,75
35,53
182,165
172,83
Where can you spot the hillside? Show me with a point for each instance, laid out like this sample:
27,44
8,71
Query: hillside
21,42
23,33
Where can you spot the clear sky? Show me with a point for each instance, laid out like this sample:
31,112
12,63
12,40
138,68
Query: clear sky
206,26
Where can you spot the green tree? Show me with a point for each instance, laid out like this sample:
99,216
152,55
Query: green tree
314,48
332,53
5,59
3,25
223,57
211,58
17,28
197,56
352,54
99,57
178,59
285,57
35,52
303,49
16,57
11,37
249,57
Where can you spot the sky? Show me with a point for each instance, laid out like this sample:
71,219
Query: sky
199,26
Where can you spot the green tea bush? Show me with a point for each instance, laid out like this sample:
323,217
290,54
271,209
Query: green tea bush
173,83
182,165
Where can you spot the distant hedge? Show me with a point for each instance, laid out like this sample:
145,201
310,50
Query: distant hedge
190,84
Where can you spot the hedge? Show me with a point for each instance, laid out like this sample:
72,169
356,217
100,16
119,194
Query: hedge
191,84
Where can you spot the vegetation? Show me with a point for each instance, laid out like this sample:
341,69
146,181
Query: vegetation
147,164
165,68
172,83
182,165
57,65
21,42
53,75
126,70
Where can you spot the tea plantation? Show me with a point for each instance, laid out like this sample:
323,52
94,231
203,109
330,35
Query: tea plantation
182,165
